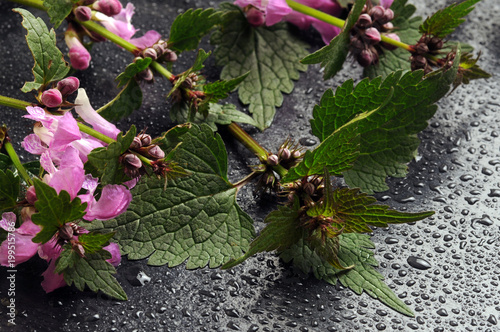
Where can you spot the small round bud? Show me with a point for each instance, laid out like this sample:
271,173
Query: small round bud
108,7
377,13
273,160
150,53
146,75
31,195
51,98
68,85
268,179
170,56
136,143
392,36
255,17
156,152
372,36
388,26
365,58
66,232
83,13
78,248
296,154
285,154
159,49
132,161
79,57
364,21
309,188
422,48
388,15
435,44
145,139
357,44
418,62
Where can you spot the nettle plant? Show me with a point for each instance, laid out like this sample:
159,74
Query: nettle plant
96,193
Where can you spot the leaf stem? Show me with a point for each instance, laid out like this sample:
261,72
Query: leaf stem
162,70
14,103
99,29
32,3
248,141
246,179
17,163
94,133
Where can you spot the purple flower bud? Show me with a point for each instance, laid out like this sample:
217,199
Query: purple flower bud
357,43
435,44
388,15
159,49
365,58
132,161
156,152
150,53
66,232
296,154
108,7
421,48
285,154
309,188
388,26
78,248
68,85
390,46
418,62
377,13
51,98
146,75
255,17
31,195
273,160
372,36
364,21
136,143
145,139
170,56
79,57
83,13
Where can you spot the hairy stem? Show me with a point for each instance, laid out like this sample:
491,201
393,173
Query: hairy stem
32,3
17,163
162,70
102,31
14,103
248,142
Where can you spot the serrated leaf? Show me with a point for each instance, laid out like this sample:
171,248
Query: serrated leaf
333,56
217,114
9,190
54,210
104,162
270,54
353,250
132,70
94,242
197,66
93,271
66,259
388,136
445,21
469,70
190,26
219,90
195,218
58,10
281,232
128,100
406,28
49,62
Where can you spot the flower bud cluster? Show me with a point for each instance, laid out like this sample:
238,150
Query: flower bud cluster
366,34
158,52
57,96
427,45
309,190
143,145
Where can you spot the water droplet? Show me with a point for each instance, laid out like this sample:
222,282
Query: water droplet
391,240
442,312
418,263
305,141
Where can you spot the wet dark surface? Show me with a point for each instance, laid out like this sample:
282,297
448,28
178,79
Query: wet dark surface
446,268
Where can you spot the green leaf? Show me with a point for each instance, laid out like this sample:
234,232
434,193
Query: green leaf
189,27
353,250
104,162
333,56
197,66
49,62
66,259
388,136
469,70
445,21
127,101
271,54
406,28
93,271
58,10
217,114
9,190
94,242
54,210
5,162
195,218
281,232
132,70
219,90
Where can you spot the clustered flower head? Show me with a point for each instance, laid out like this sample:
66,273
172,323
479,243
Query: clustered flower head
427,45
366,37
56,97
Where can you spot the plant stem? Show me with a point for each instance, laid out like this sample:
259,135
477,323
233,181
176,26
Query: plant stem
14,103
162,70
17,163
94,133
248,142
246,180
32,3
99,29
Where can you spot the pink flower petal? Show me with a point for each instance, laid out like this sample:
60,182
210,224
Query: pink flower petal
52,280
114,201
49,250
276,10
327,31
33,144
70,159
67,132
147,40
386,3
68,179
18,247
116,255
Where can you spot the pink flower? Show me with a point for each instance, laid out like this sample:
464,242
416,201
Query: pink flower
114,200
79,56
386,3
51,98
21,248
274,10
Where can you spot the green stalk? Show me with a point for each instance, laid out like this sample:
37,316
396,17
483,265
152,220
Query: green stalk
32,3
17,163
162,70
99,29
94,133
248,142
14,103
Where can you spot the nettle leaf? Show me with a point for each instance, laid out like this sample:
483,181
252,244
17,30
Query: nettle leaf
58,10
469,70
104,162
388,136
333,56
93,271
190,26
195,218
127,101
54,210
270,54
218,90
133,69
94,242
281,232
354,249
217,114
9,190
445,21
406,27
49,62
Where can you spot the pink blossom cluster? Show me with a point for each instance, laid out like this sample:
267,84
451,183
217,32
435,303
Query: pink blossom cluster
63,150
